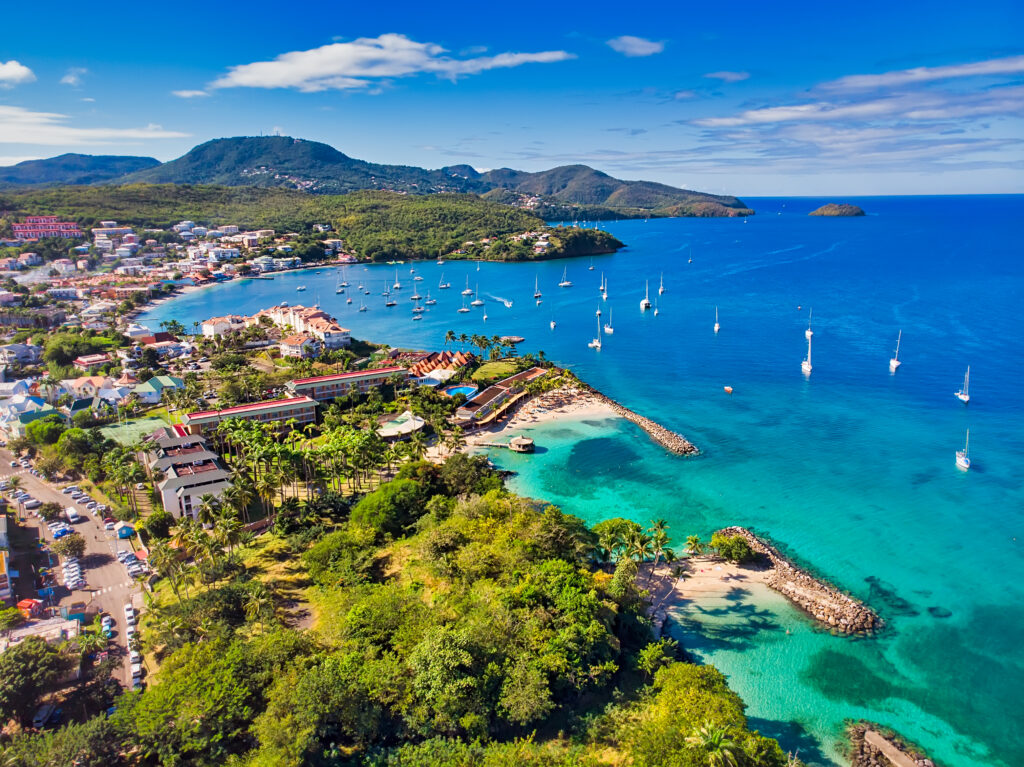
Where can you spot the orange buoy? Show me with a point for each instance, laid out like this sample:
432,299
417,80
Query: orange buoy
728,390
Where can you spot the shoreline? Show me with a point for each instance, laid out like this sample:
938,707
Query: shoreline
563,402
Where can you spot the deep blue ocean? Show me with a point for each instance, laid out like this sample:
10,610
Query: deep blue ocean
850,470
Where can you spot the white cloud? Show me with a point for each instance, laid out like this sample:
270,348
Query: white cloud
88,99
628,45
1005,66
728,77
683,95
73,76
914,106
22,126
364,62
189,94
14,73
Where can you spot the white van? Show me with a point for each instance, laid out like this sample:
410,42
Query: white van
72,515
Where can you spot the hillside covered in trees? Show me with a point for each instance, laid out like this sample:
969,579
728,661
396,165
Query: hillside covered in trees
283,162
377,225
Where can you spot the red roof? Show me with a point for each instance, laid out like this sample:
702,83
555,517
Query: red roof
228,412
350,374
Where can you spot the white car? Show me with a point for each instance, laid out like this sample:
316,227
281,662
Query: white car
109,526
33,504
136,670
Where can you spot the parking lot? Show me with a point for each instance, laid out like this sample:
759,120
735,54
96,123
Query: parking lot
100,577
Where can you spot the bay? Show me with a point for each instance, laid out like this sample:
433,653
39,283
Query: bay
850,470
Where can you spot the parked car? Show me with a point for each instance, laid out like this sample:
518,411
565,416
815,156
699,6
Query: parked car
33,504
14,464
61,533
136,670
69,489
109,526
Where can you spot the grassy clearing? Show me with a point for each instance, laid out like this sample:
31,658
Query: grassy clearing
131,432
494,371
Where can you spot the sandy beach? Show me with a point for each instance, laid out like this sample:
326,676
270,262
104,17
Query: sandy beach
564,402
702,578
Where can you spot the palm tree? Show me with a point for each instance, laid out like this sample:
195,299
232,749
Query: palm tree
417,446
721,750
257,603
449,337
208,508
15,482
694,544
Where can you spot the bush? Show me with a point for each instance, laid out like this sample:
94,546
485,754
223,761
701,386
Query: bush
734,548
391,508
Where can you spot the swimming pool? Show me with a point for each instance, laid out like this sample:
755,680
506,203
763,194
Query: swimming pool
467,390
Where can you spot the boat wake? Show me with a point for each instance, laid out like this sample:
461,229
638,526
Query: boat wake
506,301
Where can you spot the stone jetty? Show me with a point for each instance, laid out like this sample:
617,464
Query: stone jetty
670,440
826,604
870,746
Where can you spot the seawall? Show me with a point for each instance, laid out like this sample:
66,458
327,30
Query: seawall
670,440
822,601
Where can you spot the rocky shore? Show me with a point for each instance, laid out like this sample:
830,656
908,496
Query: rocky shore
872,746
674,443
826,604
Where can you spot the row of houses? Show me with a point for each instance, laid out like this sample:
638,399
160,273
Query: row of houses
312,329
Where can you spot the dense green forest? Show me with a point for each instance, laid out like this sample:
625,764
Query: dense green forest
379,225
451,623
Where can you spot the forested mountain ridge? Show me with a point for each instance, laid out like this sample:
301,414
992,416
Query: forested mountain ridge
568,191
72,169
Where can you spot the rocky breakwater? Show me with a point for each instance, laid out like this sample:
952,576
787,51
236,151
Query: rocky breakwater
670,440
873,746
826,604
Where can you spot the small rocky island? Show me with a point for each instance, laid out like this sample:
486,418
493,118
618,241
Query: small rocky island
837,209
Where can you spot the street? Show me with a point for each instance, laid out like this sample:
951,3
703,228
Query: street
108,585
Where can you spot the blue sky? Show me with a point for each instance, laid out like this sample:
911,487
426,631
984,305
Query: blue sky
742,98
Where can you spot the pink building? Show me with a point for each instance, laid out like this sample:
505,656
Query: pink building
34,227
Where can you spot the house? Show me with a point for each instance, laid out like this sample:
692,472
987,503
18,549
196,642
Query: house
218,326
315,322
299,345
19,411
152,391
325,388
30,259
20,354
85,386
91,361
437,366
190,469
302,409
36,227
13,389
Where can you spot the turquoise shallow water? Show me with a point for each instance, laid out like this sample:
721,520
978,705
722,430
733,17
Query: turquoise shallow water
851,471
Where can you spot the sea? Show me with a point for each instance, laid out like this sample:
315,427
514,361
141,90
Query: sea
849,470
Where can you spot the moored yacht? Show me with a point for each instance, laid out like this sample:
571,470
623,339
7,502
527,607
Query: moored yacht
477,301
536,287
596,342
468,291
608,328
963,457
963,394
806,364
717,326
565,282
895,361
645,304
661,285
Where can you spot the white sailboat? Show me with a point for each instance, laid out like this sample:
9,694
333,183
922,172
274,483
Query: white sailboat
477,301
895,361
337,287
645,304
598,311
552,324
661,285
963,394
808,333
806,364
344,279
430,301
468,291
566,282
655,307
963,457
485,315
397,285
596,343
608,328
348,300
464,308
362,306
300,288
717,326
442,285
591,267
536,288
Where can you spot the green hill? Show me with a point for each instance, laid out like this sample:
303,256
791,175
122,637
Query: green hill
375,224
310,166
72,169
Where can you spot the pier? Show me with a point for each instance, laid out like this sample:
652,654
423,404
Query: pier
670,440
823,602
518,444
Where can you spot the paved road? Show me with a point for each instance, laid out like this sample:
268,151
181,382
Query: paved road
109,585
